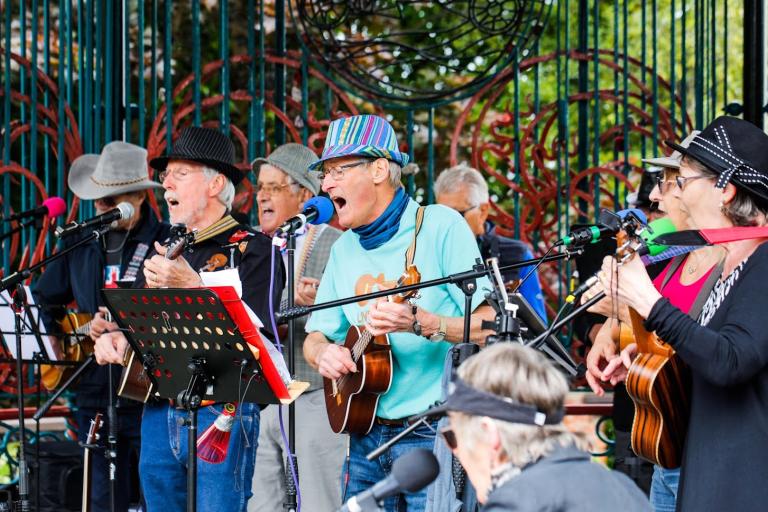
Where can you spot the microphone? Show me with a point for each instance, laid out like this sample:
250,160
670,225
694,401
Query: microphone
121,211
608,224
52,207
317,210
410,473
655,229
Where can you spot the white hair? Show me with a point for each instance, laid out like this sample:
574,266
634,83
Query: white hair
454,178
227,194
395,172
524,375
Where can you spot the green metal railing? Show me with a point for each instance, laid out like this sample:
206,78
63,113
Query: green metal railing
558,125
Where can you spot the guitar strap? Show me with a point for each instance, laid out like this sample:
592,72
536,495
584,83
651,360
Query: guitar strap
411,252
701,297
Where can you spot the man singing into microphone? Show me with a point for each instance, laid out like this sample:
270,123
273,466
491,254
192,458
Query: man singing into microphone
282,188
199,177
360,170
119,174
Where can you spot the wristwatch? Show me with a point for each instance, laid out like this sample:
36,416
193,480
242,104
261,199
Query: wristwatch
440,334
416,325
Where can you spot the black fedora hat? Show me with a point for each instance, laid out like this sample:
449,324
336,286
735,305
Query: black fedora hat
206,146
735,149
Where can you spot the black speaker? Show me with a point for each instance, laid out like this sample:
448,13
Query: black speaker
60,471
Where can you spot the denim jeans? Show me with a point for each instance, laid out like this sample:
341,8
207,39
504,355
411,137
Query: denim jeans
128,444
360,474
664,489
163,464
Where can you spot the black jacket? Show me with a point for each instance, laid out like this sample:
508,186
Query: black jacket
79,277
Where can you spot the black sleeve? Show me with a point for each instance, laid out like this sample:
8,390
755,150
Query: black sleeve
53,291
738,349
255,271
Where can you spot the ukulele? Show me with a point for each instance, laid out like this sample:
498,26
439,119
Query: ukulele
351,400
93,435
659,384
135,383
78,344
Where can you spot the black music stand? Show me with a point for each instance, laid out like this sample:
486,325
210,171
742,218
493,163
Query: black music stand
198,344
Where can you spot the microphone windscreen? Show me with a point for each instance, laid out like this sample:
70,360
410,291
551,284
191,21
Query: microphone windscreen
656,229
636,211
324,209
55,206
126,210
415,470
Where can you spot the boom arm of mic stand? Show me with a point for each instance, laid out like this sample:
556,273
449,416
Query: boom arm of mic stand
296,312
20,275
538,340
384,447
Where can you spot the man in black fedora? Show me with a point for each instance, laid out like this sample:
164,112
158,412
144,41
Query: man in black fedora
199,178
119,174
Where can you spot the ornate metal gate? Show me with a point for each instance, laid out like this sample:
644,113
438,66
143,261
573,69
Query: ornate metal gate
555,101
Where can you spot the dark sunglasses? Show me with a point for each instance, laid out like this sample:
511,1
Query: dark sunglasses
449,436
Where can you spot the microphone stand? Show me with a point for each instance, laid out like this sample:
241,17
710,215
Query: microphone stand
19,305
37,222
291,460
479,270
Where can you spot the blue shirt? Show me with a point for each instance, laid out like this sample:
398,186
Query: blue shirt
445,246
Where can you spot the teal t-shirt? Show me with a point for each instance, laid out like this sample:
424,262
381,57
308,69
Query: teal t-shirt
445,246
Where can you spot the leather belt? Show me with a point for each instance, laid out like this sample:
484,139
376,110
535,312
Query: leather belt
400,422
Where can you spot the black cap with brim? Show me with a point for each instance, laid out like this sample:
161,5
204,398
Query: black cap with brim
206,146
466,399
726,139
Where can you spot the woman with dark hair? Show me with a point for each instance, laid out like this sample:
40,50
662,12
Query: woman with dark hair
723,182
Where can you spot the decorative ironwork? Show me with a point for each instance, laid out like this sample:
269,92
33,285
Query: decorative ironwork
546,194
411,51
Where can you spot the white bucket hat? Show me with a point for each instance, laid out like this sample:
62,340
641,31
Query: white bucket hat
120,168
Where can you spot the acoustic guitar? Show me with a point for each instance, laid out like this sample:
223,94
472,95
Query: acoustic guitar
135,383
77,346
93,435
351,399
659,384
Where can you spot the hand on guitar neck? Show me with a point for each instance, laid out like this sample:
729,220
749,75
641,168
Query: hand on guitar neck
101,323
165,272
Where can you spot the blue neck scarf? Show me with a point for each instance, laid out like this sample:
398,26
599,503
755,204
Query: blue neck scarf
380,231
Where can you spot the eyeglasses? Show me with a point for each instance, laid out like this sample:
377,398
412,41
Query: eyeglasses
661,182
179,173
449,435
337,172
271,189
464,212
682,181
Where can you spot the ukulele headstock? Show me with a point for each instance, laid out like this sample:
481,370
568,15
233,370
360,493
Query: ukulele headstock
409,277
180,240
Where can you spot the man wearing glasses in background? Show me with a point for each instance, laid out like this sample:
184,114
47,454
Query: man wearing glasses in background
283,185
464,189
119,174
360,170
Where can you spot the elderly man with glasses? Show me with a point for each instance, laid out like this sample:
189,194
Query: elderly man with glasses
283,185
360,170
464,189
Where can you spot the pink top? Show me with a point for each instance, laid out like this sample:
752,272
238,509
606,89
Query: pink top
680,295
